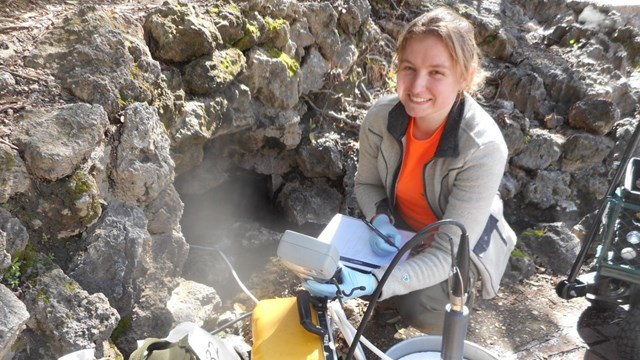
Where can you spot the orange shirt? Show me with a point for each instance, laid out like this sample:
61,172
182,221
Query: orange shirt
412,203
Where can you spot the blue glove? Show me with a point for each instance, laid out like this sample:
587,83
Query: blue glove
354,284
378,245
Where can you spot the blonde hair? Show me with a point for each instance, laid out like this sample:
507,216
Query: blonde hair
457,34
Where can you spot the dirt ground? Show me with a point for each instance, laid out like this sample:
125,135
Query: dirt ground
525,321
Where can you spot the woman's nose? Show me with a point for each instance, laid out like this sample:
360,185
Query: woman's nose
419,83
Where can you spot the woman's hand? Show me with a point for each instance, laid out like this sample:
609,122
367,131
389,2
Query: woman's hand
353,284
378,244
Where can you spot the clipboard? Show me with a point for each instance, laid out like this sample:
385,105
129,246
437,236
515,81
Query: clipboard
351,237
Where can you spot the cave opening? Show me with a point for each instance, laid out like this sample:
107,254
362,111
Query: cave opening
240,209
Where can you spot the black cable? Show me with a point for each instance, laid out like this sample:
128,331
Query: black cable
415,240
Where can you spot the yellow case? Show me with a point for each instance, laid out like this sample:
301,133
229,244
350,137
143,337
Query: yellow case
278,335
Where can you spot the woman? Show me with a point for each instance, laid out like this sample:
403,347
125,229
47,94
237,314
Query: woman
430,152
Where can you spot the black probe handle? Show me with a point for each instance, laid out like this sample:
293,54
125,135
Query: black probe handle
304,301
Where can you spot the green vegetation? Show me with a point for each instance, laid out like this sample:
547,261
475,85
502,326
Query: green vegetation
123,326
23,268
518,253
14,273
231,65
274,25
291,64
251,34
41,294
392,79
227,7
80,184
489,40
535,232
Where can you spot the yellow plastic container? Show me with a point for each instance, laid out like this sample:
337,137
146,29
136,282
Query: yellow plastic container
278,335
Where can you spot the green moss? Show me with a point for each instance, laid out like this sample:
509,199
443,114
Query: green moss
489,40
275,24
42,295
79,185
291,64
227,7
71,286
8,161
519,253
231,67
123,326
534,232
251,33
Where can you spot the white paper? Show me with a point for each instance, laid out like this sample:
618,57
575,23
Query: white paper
351,237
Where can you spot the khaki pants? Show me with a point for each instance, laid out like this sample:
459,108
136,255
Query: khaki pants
425,309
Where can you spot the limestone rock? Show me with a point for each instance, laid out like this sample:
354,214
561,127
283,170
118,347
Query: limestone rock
176,33
14,178
13,316
57,141
594,115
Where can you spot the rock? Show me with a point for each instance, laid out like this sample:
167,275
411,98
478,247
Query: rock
143,167
13,238
13,317
594,115
194,302
113,264
14,177
69,205
321,157
514,126
177,33
323,23
309,202
585,150
554,246
549,188
541,151
239,115
101,59
164,212
314,69
53,297
273,77
353,15
57,141
210,74
301,36
229,22
526,89
6,81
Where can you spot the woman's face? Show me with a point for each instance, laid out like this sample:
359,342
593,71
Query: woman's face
428,82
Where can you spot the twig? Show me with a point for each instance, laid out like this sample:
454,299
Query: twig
34,79
14,106
365,93
2,141
13,28
332,114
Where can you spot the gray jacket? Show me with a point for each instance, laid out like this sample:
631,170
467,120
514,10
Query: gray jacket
463,180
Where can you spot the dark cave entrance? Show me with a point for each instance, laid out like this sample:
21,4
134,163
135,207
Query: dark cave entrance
210,221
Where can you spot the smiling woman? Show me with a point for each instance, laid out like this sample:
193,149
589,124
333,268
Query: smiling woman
431,153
